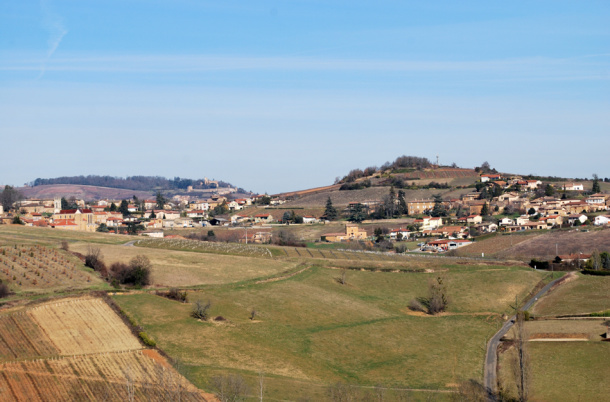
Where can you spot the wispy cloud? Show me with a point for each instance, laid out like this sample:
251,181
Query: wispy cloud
53,23
177,64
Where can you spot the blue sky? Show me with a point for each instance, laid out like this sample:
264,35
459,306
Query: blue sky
282,95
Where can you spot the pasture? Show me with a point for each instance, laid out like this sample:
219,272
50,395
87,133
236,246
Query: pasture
311,330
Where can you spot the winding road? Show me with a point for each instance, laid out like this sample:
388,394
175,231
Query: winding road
491,356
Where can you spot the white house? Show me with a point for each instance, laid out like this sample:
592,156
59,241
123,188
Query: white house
506,221
576,217
601,220
405,233
309,219
573,187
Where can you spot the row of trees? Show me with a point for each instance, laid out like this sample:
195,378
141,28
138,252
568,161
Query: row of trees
140,183
402,162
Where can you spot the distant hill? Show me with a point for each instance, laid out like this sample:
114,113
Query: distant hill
140,183
81,192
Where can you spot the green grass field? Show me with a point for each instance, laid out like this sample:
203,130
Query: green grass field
313,331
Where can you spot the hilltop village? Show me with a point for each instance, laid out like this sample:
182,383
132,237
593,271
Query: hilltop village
497,202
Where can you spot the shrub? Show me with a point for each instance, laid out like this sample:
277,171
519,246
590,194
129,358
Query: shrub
201,310
539,264
416,305
176,294
4,290
147,340
137,273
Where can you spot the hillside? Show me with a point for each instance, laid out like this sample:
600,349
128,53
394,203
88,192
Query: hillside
81,192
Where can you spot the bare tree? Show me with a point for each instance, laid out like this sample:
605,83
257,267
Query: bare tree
438,299
201,310
521,362
343,277
230,388
261,385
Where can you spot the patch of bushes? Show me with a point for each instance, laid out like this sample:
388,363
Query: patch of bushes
601,314
136,273
534,263
147,340
174,294
596,273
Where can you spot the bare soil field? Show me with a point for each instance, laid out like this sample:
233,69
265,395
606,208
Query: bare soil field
496,245
567,242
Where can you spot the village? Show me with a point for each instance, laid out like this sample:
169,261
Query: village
498,204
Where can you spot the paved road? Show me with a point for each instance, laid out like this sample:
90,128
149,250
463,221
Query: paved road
491,357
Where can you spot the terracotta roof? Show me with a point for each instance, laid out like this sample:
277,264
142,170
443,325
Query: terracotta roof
64,222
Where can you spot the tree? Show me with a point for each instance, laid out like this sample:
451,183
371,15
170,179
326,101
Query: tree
378,233
201,310
103,228
9,196
402,204
549,190
596,188
330,212
438,299
485,210
153,215
521,362
357,213
438,209
124,208
531,211
161,200
113,207
230,388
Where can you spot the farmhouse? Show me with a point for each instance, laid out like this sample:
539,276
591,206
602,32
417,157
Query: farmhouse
419,207
400,233
352,232
573,187
445,245
263,218
489,177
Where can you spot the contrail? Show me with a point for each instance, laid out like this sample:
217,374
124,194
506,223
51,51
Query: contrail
53,23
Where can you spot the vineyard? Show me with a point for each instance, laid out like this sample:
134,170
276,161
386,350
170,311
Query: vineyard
206,247
79,349
81,326
35,267
116,376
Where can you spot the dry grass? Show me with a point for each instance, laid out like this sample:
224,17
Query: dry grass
182,268
587,294
563,371
310,328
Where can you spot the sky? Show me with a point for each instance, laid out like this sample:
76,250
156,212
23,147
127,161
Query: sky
274,96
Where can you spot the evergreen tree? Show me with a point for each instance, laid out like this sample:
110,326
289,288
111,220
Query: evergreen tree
357,213
596,188
438,209
402,204
113,207
485,210
161,200
330,212
124,207
549,190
